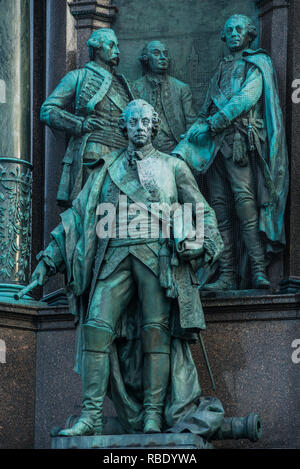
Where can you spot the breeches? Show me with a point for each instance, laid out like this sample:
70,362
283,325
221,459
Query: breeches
227,179
112,296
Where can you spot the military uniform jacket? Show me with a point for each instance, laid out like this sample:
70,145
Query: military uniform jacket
83,89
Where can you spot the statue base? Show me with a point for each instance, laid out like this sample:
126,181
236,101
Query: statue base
8,292
234,293
290,285
135,441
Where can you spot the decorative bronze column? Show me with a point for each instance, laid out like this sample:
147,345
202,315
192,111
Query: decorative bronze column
15,166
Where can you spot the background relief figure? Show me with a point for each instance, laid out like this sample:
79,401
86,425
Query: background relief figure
170,97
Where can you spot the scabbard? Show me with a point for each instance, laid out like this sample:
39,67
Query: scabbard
207,362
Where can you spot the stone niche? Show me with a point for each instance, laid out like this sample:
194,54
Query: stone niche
192,31
190,28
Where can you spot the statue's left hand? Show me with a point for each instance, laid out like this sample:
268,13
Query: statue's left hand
191,254
197,131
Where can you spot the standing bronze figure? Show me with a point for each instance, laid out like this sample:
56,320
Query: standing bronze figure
136,299
239,140
170,97
87,104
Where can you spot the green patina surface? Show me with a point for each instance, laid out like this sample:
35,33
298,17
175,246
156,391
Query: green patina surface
15,169
15,79
137,311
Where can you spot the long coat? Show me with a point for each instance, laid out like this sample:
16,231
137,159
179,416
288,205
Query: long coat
77,246
76,250
84,89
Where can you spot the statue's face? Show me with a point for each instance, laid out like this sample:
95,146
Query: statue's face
139,125
109,52
158,56
236,34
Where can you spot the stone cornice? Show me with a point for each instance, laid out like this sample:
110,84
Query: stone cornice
258,308
93,13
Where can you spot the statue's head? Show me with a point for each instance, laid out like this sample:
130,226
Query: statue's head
103,46
155,57
239,32
139,122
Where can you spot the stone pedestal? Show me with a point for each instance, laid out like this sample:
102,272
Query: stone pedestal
170,441
249,345
17,376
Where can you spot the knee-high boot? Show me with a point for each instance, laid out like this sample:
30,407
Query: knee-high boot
94,376
227,277
156,371
155,380
257,258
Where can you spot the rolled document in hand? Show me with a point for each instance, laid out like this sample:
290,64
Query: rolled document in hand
25,290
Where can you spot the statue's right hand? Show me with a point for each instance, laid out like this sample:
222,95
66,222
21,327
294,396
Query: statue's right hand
41,273
91,124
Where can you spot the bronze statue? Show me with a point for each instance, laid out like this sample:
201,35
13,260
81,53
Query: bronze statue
170,97
239,140
136,299
98,96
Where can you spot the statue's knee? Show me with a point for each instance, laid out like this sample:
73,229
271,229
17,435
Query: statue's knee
156,338
244,199
97,339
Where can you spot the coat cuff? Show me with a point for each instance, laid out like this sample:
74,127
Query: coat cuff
52,258
218,122
66,121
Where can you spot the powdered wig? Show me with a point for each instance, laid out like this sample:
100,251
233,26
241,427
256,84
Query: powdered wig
96,39
138,103
252,31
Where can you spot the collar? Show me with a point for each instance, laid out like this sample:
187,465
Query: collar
141,153
228,58
156,79
248,52
102,69
244,54
231,58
